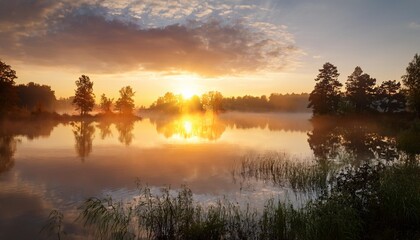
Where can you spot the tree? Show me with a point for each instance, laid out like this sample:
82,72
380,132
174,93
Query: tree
325,97
360,90
411,81
8,96
33,96
389,96
194,104
106,103
125,104
212,101
84,98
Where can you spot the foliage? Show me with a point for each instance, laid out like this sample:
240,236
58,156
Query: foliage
282,170
247,103
35,97
125,103
389,97
325,97
8,96
212,101
399,209
107,220
376,200
370,202
54,225
106,104
84,97
169,103
360,90
409,139
411,81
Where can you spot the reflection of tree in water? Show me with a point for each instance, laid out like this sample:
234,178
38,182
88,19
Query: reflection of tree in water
83,135
29,128
189,126
272,121
363,140
104,127
7,150
409,141
125,131
324,140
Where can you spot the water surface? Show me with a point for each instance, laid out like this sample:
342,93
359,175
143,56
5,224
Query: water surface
49,165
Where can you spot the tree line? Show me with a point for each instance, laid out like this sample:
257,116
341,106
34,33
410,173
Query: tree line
84,99
38,98
362,95
33,97
215,101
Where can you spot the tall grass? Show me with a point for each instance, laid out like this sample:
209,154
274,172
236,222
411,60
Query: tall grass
372,201
283,170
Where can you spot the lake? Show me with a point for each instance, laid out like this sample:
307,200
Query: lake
48,165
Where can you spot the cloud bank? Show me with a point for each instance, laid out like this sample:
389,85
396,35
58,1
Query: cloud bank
209,38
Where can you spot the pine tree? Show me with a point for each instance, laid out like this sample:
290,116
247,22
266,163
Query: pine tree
411,81
360,90
389,97
325,97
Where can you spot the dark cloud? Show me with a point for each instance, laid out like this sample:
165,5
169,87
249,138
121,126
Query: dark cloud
86,36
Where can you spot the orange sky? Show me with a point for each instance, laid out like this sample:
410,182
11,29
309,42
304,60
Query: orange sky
235,47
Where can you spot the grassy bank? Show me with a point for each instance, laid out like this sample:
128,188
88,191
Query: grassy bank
373,201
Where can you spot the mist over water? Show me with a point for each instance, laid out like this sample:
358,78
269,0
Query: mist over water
48,164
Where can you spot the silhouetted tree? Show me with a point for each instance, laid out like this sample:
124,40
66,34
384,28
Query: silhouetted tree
194,104
33,96
125,104
360,90
84,98
8,96
325,97
212,101
106,104
389,96
411,81
169,103
289,102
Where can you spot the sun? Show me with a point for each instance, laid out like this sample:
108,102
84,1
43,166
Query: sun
187,85
188,92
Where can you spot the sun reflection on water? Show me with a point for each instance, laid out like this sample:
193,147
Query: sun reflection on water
192,128
188,127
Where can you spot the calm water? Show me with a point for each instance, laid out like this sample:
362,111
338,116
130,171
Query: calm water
46,165
51,165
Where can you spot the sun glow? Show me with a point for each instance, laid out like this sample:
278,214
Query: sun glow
188,127
188,92
187,86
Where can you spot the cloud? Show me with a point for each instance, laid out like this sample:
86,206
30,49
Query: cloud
414,25
116,36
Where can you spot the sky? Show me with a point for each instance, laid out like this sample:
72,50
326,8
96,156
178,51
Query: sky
236,47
